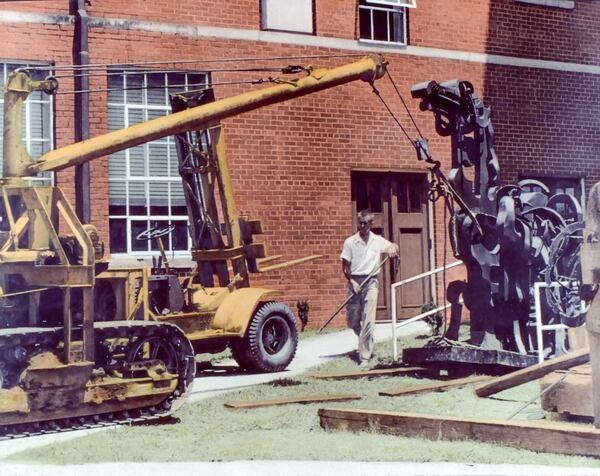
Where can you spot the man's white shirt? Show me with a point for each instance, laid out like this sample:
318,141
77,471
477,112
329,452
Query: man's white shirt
364,258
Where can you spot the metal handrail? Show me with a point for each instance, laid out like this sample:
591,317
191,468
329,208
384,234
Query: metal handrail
419,316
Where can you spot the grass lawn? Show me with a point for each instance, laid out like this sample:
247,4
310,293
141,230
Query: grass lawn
207,431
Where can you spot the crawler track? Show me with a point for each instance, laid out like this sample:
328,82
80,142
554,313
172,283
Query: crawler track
114,341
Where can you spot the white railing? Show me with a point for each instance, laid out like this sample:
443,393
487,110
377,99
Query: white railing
394,286
540,327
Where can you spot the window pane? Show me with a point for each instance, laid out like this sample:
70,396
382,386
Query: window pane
403,205
134,84
159,199
136,228
415,196
118,235
161,225
380,25
116,119
117,165
365,24
117,192
397,27
158,160
176,82
116,93
196,81
137,198
177,197
156,89
137,161
179,236
134,116
35,149
173,160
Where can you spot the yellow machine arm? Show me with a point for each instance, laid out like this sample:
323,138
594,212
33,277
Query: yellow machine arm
367,69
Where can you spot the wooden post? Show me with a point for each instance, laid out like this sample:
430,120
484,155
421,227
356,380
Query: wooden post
549,437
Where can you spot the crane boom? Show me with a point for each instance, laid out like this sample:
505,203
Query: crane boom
367,69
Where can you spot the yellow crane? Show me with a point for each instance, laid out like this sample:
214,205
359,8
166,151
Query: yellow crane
62,365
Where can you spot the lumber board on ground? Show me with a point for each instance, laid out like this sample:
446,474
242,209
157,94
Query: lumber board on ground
572,396
534,372
367,373
552,437
435,387
285,401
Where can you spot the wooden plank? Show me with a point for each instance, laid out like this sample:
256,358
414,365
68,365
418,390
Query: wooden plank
367,373
552,437
435,387
534,372
285,401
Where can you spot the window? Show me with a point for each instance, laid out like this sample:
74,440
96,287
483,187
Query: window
286,15
568,4
144,184
37,118
383,21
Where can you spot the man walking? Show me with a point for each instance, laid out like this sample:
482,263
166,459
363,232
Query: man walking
361,256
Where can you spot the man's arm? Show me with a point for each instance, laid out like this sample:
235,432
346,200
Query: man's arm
348,275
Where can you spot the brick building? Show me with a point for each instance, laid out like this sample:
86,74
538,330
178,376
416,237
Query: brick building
303,167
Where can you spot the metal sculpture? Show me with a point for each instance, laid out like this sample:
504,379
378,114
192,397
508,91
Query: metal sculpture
508,236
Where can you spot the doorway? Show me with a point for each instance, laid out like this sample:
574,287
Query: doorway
398,202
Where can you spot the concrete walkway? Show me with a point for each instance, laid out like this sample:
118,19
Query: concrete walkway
311,352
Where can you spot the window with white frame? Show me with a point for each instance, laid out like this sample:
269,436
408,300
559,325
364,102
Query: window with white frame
383,21
37,117
145,188
567,4
286,15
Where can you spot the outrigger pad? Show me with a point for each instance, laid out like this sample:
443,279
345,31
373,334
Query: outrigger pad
463,359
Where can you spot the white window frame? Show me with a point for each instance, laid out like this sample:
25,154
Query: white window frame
385,6
566,4
396,3
170,178
44,178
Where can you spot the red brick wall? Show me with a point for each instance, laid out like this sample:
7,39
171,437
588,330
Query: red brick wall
290,163
507,27
239,14
503,27
47,6
336,18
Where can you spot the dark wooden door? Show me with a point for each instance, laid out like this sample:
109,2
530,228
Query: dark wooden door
399,203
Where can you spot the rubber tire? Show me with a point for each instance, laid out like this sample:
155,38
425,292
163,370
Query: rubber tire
250,352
